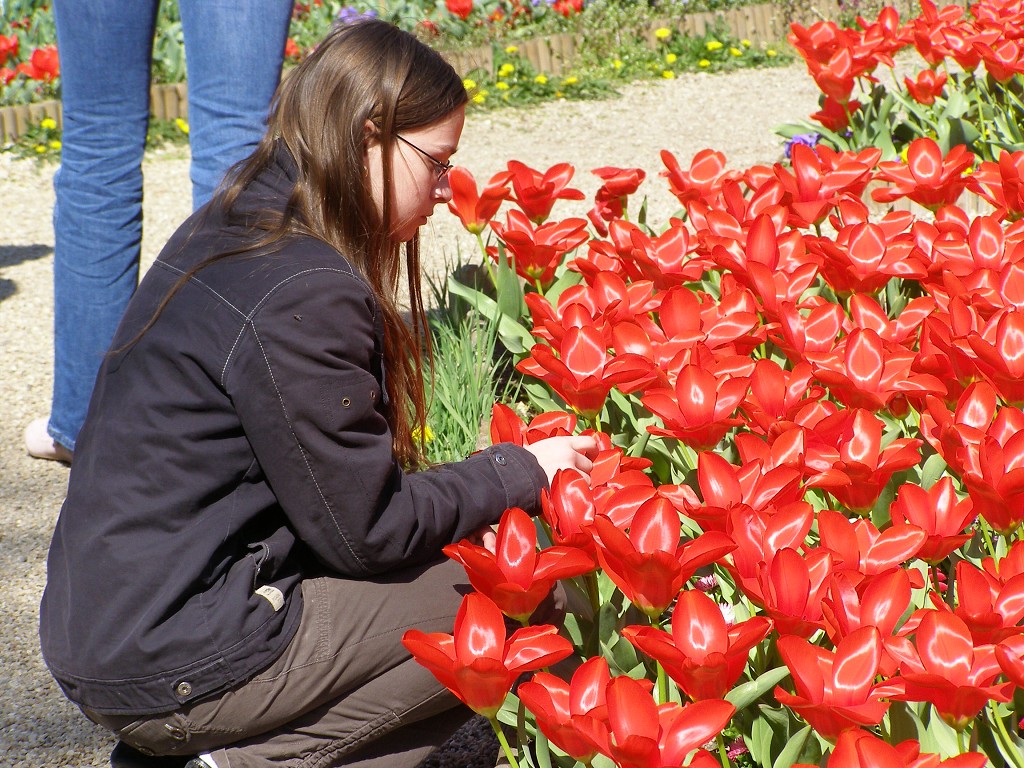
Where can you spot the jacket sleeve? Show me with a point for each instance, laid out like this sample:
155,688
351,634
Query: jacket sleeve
302,381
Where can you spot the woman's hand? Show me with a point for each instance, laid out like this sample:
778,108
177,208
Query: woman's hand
568,452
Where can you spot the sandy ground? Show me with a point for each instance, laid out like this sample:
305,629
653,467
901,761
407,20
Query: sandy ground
734,113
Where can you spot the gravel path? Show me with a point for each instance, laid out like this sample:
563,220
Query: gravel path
733,113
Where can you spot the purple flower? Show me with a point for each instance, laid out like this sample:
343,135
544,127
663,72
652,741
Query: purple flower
807,139
350,15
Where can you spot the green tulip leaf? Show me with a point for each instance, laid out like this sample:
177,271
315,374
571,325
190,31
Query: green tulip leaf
742,696
516,337
794,748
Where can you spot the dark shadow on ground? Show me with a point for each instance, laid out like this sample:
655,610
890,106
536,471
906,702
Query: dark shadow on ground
11,255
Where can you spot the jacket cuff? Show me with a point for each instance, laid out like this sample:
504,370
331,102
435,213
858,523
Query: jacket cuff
520,474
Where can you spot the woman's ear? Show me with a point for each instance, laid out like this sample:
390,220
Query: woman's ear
370,133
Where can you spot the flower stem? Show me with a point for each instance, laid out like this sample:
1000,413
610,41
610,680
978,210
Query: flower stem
961,744
662,684
723,753
504,743
594,593
986,536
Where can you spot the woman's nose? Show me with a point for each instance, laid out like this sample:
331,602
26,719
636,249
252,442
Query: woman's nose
443,190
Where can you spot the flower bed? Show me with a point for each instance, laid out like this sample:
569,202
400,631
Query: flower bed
801,542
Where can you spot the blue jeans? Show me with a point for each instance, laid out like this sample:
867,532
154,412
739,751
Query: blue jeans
234,52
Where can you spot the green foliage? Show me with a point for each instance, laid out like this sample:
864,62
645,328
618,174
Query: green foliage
464,385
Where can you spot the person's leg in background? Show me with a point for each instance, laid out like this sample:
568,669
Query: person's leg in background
234,50
105,53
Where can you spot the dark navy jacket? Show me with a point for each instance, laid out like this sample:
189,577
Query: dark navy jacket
236,448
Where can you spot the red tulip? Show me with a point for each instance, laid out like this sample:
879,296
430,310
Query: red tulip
758,536
699,408
476,209
945,668
792,589
507,427
664,260
535,192
926,86
44,64
569,509
650,565
860,749
477,663
619,183
584,373
836,691
459,8
992,610
857,546
536,253
702,181
1010,655
776,394
798,336
866,372
515,576
1002,184
560,708
818,179
703,654
939,513
1000,354
928,179
9,47
864,257
640,734
879,602
834,114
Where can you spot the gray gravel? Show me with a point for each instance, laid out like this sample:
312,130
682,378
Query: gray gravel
734,113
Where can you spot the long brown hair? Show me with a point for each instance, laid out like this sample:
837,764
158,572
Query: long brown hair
368,70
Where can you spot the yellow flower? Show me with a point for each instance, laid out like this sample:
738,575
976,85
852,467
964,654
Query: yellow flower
428,434
663,33
559,94
703,63
55,144
541,80
668,74
40,149
468,84
771,52
712,45
48,123
571,80
745,43
480,97
512,49
502,86
182,125
670,58
617,64
735,51
904,153
506,69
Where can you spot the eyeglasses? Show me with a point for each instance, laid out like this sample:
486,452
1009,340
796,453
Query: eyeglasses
441,168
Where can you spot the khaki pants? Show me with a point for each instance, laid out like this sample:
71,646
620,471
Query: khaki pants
344,692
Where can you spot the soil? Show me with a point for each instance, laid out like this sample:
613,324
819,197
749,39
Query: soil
734,113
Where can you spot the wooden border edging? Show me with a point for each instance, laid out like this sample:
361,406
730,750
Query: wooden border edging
553,55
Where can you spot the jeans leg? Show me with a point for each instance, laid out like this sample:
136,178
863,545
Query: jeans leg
105,52
234,50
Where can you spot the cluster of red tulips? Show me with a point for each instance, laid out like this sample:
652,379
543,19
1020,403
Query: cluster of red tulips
42,63
799,543
967,90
